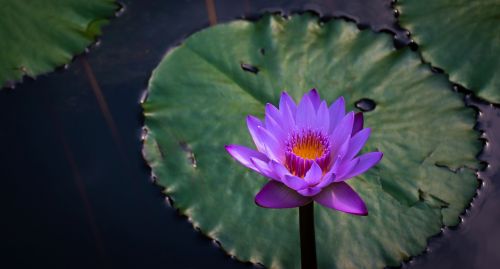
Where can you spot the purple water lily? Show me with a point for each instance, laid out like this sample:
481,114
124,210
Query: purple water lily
308,152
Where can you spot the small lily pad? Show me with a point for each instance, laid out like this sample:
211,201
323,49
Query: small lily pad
37,36
202,91
461,37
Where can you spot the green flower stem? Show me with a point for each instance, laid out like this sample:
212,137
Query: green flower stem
307,237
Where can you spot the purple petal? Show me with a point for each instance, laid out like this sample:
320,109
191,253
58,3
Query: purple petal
341,153
314,97
287,101
336,163
345,168
310,191
328,178
244,155
277,195
273,124
342,132
273,113
288,110
253,124
366,161
273,146
264,169
358,123
342,197
294,182
305,113
357,142
337,112
322,117
313,176
279,169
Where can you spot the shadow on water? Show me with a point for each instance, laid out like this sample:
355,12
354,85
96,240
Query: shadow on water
76,192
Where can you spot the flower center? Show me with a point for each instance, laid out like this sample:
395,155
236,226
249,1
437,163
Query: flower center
309,147
305,147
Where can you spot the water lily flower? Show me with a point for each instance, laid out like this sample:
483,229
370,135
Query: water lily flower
308,151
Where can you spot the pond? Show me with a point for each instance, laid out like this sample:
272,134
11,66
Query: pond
77,192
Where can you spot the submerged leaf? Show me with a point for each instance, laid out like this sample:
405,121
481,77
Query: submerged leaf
200,96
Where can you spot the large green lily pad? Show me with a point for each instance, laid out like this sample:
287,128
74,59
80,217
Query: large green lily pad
37,36
200,95
460,36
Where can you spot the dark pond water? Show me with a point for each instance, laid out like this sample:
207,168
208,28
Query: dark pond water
77,194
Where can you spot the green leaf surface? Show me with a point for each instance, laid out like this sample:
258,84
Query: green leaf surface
462,37
37,36
199,97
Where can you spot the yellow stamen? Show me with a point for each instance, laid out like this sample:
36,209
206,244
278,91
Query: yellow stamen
309,147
